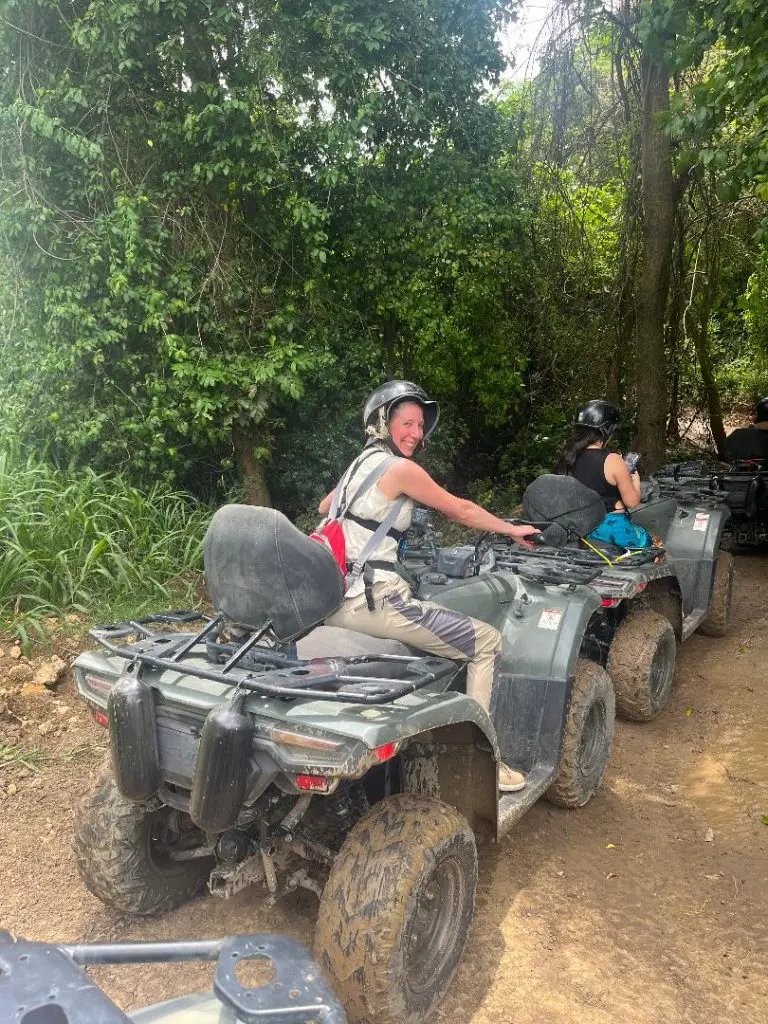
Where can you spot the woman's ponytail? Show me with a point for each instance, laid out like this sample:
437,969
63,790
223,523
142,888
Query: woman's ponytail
581,438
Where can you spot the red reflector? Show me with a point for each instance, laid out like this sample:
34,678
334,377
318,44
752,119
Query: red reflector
312,782
385,751
101,718
610,602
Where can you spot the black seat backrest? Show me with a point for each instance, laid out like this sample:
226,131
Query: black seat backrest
655,515
565,501
741,491
260,569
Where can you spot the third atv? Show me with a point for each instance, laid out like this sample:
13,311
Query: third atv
743,487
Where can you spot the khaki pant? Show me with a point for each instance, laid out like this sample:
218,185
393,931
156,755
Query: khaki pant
431,628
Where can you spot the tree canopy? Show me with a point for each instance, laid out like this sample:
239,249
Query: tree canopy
220,225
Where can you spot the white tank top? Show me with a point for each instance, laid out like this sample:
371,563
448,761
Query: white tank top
373,507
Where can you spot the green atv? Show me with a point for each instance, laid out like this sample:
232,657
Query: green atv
650,598
743,487
261,748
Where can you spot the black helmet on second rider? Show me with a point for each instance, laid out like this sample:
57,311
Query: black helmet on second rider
598,415
380,405
761,411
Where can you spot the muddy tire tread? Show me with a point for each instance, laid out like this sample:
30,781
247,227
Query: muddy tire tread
364,906
629,663
718,622
110,852
565,791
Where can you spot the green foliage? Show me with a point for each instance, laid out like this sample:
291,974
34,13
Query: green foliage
756,304
168,176
221,226
723,116
89,543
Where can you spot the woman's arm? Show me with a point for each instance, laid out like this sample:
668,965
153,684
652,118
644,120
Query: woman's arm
406,477
616,472
325,505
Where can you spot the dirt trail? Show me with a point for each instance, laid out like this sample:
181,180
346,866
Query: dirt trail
648,906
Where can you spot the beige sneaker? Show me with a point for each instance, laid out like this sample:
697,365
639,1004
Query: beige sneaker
510,781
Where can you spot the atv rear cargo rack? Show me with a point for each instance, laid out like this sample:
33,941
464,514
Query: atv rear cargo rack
565,565
546,566
249,664
44,982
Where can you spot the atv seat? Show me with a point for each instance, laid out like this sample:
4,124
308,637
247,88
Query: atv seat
335,642
264,574
744,492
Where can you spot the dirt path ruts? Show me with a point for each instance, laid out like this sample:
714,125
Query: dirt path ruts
630,910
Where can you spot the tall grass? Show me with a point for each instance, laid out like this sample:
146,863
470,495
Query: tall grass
88,543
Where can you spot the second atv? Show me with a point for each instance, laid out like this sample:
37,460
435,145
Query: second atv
650,598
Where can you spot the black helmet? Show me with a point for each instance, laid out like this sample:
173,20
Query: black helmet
381,404
599,415
761,410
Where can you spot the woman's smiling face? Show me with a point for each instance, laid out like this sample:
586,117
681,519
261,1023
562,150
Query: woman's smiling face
406,427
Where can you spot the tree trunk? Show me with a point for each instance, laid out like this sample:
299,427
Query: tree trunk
658,233
389,341
250,469
676,307
701,343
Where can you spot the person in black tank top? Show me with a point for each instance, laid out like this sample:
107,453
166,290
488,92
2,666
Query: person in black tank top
748,443
586,458
589,469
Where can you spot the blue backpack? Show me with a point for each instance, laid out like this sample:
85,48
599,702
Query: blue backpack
617,528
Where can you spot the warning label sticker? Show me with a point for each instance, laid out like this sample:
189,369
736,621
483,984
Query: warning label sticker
701,522
550,618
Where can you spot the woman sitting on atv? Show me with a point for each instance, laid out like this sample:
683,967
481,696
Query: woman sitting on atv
586,458
398,418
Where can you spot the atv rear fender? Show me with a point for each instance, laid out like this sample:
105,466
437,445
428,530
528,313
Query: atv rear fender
693,545
542,628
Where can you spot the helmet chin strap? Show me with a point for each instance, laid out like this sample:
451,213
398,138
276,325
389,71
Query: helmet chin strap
378,431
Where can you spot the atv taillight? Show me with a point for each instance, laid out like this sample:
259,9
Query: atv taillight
313,783
385,751
610,602
101,718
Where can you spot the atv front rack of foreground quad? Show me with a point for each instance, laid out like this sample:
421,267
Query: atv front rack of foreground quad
43,983
251,663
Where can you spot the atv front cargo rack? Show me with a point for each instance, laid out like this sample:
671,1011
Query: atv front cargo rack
250,664
42,982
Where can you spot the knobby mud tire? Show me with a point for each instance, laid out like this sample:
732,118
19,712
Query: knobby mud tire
641,663
718,622
408,855
113,844
588,737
